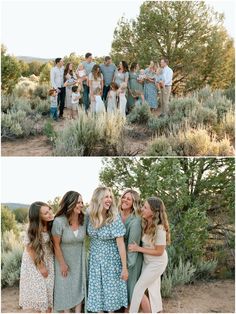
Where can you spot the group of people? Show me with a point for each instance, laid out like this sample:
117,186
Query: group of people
126,254
106,88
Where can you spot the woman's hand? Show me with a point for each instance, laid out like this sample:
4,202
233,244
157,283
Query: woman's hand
124,274
133,247
43,270
64,270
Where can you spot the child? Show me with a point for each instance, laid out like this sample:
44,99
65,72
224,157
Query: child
156,234
159,80
142,75
37,266
99,106
112,98
122,99
53,107
75,97
80,72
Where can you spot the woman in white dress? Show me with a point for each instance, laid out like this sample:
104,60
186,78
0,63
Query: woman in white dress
37,266
95,80
112,98
70,80
156,234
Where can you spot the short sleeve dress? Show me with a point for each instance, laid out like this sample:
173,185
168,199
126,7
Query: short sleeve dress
71,290
36,291
106,290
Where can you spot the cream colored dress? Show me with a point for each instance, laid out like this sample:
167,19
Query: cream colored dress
153,268
36,292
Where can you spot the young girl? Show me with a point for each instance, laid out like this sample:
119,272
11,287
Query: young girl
156,234
107,290
122,99
112,98
37,267
99,106
75,97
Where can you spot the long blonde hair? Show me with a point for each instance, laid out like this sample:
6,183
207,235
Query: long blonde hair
96,208
136,202
159,218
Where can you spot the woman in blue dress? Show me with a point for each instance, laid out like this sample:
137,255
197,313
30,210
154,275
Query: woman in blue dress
107,287
150,90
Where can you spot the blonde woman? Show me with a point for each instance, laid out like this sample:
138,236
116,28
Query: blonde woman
156,234
107,288
129,207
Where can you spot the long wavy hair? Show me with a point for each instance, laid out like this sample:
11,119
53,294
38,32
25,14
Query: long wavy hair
136,202
125,66
96,74
66,71
35,231
96,208
160,218
67,205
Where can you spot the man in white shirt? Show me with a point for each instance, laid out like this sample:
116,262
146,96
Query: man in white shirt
167,83
57,82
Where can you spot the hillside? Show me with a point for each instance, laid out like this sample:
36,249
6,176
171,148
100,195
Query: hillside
14,206
29,59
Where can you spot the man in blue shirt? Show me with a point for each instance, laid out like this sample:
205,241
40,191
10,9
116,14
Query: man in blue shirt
108,70
167,83
88,65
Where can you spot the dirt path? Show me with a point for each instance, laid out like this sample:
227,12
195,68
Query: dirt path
211,297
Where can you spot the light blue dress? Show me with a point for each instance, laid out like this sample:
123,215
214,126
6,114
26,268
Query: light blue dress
70,291
150,90
106,290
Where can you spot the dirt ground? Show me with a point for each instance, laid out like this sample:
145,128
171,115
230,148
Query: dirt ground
209,297
135,140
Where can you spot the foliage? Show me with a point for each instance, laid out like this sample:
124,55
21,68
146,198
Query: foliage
189,33
10,69
205,269
8,221
54,204
49,131
41,91
230,93
140,114
45,73
21,215
89,134
11,264
10,241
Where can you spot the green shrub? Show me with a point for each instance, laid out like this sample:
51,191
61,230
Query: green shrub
230,94
10,241
41,91
203,116
160,146
140,114
183,273
166,286
220,104
8,221
158,124
205,269
203,93
21,214
49,131
11,264
90,133
183,105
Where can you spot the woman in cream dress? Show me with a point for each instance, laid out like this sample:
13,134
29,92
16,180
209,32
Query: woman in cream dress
156,235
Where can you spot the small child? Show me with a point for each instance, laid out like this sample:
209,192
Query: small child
53,107
74,106
159,80
112,98
99,106
122,99
80,72
141,75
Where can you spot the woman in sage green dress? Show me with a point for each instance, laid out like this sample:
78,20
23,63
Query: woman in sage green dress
129,207
69,230
135,86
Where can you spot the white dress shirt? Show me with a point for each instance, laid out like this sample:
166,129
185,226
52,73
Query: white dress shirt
56,77
167,76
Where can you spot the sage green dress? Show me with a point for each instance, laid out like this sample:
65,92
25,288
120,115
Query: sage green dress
134,86
134,259
70,291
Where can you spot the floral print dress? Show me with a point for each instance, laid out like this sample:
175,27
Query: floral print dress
36,291
106,290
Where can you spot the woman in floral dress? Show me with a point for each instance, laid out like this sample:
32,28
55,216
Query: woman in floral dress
107,287
37,267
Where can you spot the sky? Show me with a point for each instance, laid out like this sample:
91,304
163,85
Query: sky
30,28
28,179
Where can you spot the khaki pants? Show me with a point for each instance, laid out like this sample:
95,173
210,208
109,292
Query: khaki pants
165,98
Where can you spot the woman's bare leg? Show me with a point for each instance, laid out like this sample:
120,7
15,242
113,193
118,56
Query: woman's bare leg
145,305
